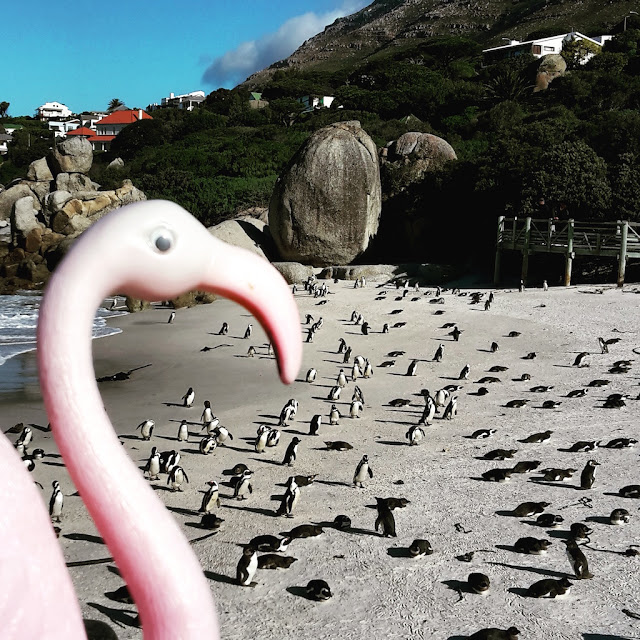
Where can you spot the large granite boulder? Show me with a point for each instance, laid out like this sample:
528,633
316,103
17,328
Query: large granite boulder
406,160
551,67
293,272
325,207
73,155
23,220
39,171
9,197
249,233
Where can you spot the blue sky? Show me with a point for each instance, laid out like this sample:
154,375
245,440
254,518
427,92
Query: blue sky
85,53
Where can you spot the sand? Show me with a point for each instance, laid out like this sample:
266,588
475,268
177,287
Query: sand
377,590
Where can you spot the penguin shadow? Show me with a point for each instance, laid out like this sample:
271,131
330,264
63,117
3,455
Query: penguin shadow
39,427
519,591
558,534
268,416
190,451
131,437
392,443
604,636
85,537
88,563
264,512
220,577
502,512
335,362
197,525
598,519
560,485
175,404
276,497
508,547
399,552
538,570
459,586
53,464
400,422
181,511
112,568
484,350
297,432
273,462
333,483
117,616
160,487
301,592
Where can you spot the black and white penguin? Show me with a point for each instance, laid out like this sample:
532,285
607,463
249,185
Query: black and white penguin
318,590
385,328
365,328
429,409
355,409
516,404
549,587
311,375
221,434
314,426
549,520
451,409
342,346
362,471
224,330
464,374
292,452
357,395
588,475
487,305
497,475
342,522
168,460
537,437
619,517
525,466
439,354
146,429
630,491
582,359
577,393
415,435
310,335
620,443
172,317
583,445
532,546
309,318
244,487
183,432
525,509
482,433
247,566
493,633
211,499
479,583
334,415
419,548
385,519
290,499
273,437
189,397
494,347
271,543
56,502
261,441
274,561
334,394
577,559
286,415
367,372
248,330
580,531
555,475
251,352
347,355
177,477
604,347
207,445
499,454
305,531
441,399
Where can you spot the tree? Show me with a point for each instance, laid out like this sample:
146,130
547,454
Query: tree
114,103
287,110
577,51
4,107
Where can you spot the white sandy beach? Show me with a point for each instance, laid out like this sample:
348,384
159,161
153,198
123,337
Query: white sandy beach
377,591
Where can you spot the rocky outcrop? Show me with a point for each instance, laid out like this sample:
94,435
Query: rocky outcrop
551,67
325,207
246,232
293,272
406,160
49,208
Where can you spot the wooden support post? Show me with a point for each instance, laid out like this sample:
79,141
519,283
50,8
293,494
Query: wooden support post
622,257
569,257
525,251
499,238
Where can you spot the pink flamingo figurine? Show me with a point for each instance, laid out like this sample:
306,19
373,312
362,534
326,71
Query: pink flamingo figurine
154,251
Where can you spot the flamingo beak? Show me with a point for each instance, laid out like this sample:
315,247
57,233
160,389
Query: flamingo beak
251,281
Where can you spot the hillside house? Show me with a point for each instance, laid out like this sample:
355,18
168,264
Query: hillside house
53,111
110,126
5,139
61,128
186,101
316,102
256,101
539,47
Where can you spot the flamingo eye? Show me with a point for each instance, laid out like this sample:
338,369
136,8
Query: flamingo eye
162,240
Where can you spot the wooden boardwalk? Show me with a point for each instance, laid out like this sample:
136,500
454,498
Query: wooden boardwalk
571,238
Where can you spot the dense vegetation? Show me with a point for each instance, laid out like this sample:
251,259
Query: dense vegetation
577,143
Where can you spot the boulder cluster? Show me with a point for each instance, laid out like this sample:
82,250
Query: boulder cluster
48,209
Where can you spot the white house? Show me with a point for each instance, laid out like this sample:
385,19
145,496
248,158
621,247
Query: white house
316,102
61,128
53,110
188,101
540,47
89,119
5,139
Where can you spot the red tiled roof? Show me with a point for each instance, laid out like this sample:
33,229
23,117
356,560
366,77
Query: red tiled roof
82,131
101,138
124,117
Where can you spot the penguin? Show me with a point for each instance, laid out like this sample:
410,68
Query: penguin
551,404
555,475
441,399
305,481
305,531
479,583
549,587
56,502
247,566
292,452
578,560
549,520
251,352
619,517
580,531
342,522
356,372
168,460
334,415
482,391
337,445
532,546
224,330
497,475
183,431
334,394
341,381
310,335
318,590
309,318
451,410
429,409
311,375
487,305
368,370
492,633
582,445
499,454
494,347
385,328
244,488
439,353
537,437
248,330
172,317
415,435
271,543
342,346
541,388
532,355
525,509
630,491
286,415
464,374
604,348
221,434
419,548
207,445
488,380
357,395
365,328
273,438
385,519
362,470
577,393
261,440
525,466
455,332
176,478
314,426
521,287
25,437
516,404
513,334
146,429
274,561
482,433
210,499
347,355
545,286
588,475
189,397
355,409
290,499
582,359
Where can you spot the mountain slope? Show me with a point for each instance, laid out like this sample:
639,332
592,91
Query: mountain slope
388,24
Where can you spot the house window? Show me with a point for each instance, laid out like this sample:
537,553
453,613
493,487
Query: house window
549,48
536,49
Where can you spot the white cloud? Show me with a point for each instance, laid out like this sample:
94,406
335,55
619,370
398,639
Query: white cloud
249,57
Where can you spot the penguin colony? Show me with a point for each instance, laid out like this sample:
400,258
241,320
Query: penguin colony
551,528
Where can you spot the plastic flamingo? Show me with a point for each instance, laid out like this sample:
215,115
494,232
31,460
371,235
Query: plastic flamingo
154,251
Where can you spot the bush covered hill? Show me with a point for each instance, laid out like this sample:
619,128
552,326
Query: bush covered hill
577,143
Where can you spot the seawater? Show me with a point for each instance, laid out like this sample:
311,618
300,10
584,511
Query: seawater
19,320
